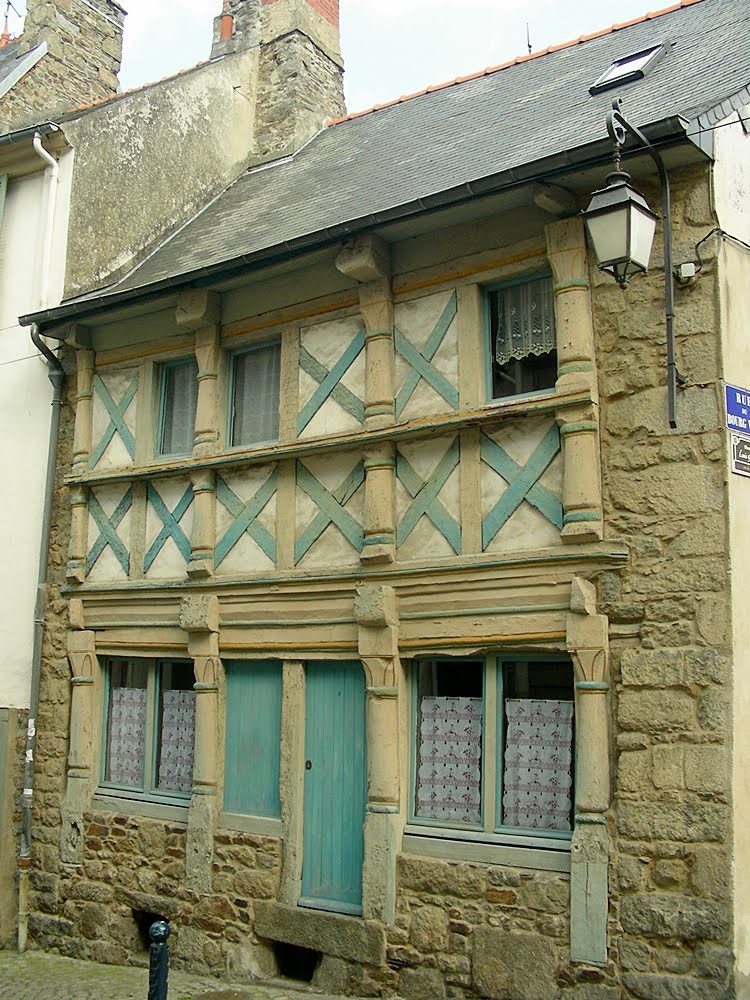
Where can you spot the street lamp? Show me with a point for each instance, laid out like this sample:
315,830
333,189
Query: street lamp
621,229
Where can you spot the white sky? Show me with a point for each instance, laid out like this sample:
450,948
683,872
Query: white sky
390,47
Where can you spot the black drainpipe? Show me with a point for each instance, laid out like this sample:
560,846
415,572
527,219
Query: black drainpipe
57,378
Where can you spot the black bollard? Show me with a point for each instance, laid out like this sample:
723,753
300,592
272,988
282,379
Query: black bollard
158,963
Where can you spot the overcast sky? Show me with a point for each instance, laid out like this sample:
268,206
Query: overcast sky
390,47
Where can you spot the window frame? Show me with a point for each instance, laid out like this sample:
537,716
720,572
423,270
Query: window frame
148,792
487,290
231,386
609,79
164,367
491,831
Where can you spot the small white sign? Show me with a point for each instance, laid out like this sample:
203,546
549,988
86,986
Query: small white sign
740,455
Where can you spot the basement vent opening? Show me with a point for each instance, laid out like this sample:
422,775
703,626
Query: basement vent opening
295,962
143,920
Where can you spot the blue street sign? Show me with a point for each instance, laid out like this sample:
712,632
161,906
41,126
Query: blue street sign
738,408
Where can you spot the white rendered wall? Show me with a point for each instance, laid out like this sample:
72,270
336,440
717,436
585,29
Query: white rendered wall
25,395
732,203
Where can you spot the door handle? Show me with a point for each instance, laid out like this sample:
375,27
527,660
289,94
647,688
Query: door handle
308,765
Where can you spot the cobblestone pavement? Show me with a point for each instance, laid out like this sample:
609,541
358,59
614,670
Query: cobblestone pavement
39,976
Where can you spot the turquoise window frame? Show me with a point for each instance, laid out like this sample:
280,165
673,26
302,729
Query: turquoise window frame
164,367
245,801
491,829
498,286
247,349
148,790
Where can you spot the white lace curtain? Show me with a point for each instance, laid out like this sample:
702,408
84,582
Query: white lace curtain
537,769
127,736
180,402
525,320
449,780
177,741
256,395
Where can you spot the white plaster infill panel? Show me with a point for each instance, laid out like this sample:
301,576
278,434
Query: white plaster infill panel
169,523
109,542
521,505
246,521
426,342
114,419
428,499
331,378
330,498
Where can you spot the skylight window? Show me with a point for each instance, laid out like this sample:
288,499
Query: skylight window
629,68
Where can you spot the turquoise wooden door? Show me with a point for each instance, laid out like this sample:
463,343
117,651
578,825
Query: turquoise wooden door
335,787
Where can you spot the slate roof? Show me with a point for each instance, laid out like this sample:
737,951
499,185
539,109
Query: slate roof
367,166
14,64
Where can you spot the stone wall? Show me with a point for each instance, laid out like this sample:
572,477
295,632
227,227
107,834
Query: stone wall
669,628
84,51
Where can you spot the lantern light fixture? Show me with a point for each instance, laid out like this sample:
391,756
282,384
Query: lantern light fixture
621,229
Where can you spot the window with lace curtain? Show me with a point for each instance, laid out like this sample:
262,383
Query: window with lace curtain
149,728
493,750
254,395
178,399
521,323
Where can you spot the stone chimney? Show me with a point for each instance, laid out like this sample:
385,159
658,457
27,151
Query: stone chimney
84,51
300,69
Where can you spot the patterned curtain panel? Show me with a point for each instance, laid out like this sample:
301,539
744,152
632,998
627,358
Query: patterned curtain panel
449,780
525,321
127,736
177,741
537,778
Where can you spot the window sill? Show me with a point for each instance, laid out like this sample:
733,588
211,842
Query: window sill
264,826
545,855
110,801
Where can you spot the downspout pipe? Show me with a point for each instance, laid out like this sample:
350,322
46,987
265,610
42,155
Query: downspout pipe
49,224
57,377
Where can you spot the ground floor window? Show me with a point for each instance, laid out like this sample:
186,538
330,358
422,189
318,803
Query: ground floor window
149,727
493,746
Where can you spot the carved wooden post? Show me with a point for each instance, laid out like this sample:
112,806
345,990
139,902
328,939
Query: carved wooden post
79,525
375,611
84,411
83,665
200,310
199,617
366,260
576,363
203,535
587,641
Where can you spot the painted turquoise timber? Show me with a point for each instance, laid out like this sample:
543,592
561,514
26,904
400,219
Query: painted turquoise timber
246,518
108,531
253,737
331,509
335,786
421,361
330,382
117,423
523,483
170,520
425,498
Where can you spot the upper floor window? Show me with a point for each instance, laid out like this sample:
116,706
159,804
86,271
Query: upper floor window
521,319
178,401
254,416
494,748
149,727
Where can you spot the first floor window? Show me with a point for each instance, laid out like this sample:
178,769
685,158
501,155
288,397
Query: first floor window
254,417
494,745
149,726
521,320
178,402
